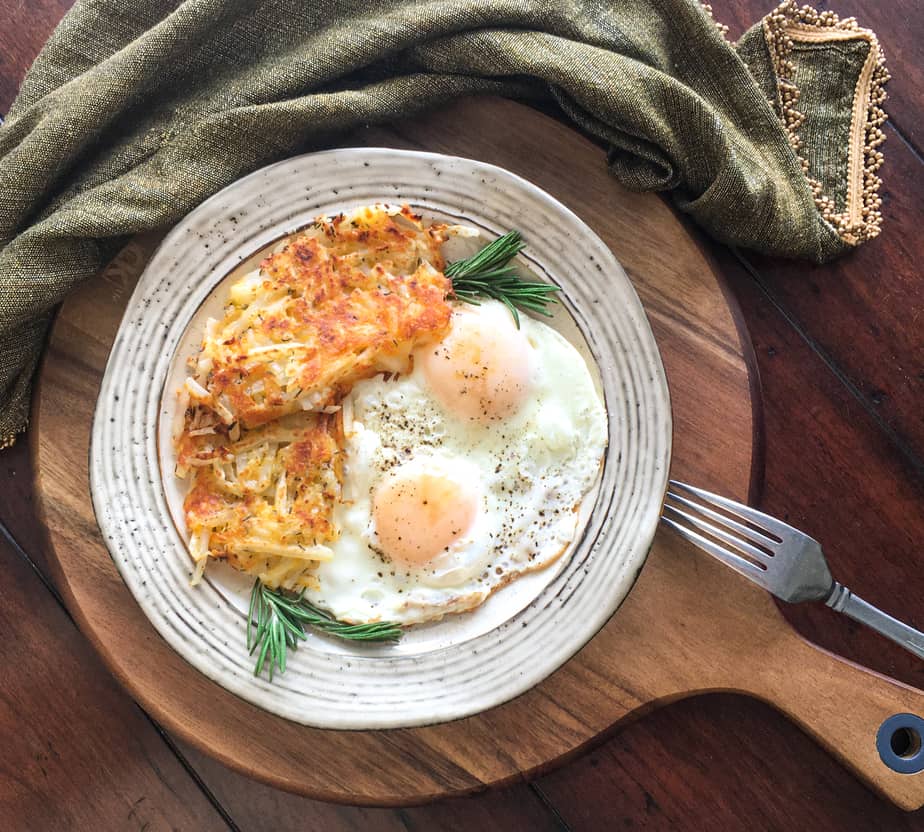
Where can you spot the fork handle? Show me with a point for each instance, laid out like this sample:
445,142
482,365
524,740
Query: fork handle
843,600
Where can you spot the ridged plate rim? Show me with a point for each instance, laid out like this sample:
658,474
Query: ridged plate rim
333,691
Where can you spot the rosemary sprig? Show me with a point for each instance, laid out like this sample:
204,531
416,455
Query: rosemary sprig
488,274
276,621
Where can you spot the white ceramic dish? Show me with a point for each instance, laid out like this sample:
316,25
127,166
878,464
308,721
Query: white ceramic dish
446,670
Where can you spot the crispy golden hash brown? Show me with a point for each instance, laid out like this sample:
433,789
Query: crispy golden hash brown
263,502
349,297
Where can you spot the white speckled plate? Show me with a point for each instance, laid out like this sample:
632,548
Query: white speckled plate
468,662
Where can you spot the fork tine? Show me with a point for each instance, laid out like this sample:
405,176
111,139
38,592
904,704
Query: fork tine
750,515
751,534
736,562
720,533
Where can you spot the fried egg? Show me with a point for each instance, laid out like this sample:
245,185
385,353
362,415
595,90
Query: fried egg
463,473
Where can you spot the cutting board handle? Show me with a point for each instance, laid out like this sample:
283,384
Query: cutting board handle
851,711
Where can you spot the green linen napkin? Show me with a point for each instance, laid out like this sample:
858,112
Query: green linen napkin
135,112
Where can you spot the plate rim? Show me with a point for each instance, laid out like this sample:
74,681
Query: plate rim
639,557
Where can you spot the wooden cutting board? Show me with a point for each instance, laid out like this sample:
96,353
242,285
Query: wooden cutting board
689,625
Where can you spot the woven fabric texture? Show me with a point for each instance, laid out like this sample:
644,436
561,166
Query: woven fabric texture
135,112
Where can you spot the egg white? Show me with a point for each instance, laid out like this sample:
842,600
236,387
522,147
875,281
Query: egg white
530,470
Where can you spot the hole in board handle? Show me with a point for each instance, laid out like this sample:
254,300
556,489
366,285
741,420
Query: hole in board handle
905,742
900,745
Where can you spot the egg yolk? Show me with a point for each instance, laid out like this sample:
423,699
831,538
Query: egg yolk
481,369
419,515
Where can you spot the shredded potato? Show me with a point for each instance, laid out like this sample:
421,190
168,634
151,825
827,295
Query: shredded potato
348,298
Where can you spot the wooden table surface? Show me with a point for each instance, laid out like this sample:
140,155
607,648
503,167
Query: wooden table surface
840,353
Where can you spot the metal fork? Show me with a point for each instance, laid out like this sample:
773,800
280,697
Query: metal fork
774,555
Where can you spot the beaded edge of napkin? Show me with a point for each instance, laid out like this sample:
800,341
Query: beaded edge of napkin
861,218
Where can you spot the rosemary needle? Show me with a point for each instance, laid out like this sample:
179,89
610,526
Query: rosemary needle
488,274
277,619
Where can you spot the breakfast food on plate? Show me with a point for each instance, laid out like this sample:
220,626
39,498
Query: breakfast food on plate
464,472
352,431
347,298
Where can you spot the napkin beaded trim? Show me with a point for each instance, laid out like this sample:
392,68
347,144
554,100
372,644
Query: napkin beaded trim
861,218
723,29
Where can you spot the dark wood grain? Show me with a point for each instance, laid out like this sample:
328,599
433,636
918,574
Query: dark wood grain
865,312
24,27
841,357
77,753
659,774
898,26
836,475
833,472
17,505
696,765
513,809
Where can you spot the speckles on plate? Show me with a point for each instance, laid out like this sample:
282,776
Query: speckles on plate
362,689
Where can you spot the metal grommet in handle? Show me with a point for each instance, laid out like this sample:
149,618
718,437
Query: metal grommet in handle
900,743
